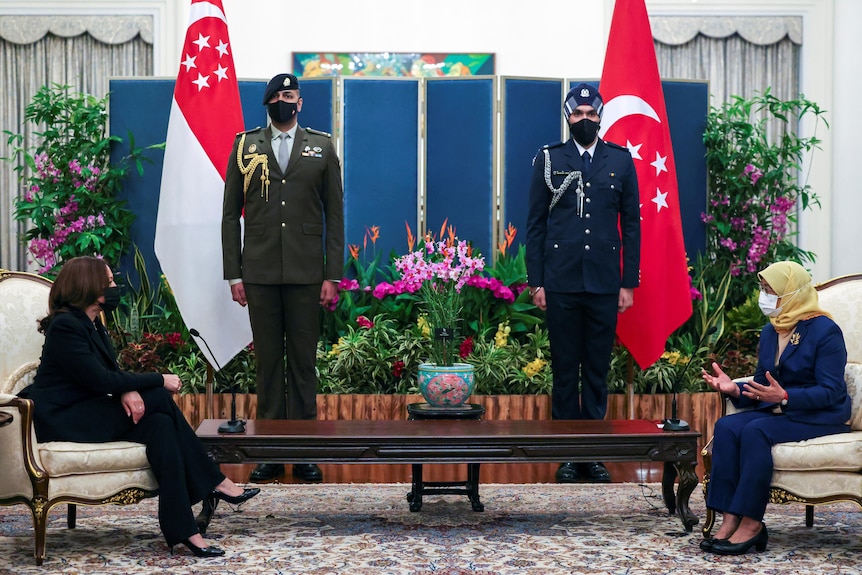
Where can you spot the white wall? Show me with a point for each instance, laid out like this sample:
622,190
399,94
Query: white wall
554,38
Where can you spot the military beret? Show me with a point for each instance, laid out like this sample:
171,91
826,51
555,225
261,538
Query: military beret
279,83
581,95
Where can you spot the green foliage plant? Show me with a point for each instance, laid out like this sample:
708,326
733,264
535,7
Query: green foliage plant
755,187
69,187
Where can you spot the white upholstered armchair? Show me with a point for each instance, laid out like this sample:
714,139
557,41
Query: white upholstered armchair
43,475
824,469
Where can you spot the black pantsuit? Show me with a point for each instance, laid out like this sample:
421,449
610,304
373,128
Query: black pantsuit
77,394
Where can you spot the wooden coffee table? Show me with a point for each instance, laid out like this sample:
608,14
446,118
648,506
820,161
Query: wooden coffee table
465,441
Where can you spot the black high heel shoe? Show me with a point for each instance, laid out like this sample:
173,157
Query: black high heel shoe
725,547
239,499
211,551
705,545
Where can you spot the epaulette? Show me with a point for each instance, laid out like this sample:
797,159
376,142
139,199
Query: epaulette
248,131
617,146
318,132
554,145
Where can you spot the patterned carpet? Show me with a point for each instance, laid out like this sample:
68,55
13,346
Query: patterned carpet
368,529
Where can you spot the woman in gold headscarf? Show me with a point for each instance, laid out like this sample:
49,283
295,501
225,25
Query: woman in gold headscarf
797,393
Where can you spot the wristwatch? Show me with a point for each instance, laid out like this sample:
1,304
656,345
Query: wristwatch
784,401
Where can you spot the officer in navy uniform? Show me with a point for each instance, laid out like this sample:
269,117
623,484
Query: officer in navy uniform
285,181
583,255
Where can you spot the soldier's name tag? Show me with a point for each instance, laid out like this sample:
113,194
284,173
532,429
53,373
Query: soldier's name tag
561,173
315,152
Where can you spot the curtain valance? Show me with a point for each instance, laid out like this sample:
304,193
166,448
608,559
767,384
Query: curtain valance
106,29
762,30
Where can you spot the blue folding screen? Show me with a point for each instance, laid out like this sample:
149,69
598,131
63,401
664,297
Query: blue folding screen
532,117
386,173
381,161
459,158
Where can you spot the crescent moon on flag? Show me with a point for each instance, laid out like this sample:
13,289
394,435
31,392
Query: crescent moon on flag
622,106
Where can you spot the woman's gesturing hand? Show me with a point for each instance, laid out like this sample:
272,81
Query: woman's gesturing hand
720,381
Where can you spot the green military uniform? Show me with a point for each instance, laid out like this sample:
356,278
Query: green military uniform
293,240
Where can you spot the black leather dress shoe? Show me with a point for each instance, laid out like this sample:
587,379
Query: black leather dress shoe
568,473
308,472
266,472
596,472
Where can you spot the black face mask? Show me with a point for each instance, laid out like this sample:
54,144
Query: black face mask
281,112
584,131
113,295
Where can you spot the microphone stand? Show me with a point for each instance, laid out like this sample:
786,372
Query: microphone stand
233,425
674,423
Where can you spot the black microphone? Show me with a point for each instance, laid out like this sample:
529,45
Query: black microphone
674,423
233,425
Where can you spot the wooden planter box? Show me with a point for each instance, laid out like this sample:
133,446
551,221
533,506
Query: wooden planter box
700,410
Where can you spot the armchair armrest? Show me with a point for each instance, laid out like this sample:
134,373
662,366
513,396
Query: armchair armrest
23,474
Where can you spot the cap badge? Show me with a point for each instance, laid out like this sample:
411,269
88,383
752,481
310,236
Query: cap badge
286,82
585,93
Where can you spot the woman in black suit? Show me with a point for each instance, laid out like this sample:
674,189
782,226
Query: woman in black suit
797,393
81,395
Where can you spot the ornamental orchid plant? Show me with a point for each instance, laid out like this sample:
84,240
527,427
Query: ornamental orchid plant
69,201
437,272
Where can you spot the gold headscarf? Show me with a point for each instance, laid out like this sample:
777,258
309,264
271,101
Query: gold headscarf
798,298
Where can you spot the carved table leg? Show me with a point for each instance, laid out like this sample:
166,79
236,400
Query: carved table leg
667,482
687,483
415,495
473,486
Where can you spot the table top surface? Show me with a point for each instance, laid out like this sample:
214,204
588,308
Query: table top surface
549,430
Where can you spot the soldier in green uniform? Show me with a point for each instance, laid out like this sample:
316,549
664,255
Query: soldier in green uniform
286,261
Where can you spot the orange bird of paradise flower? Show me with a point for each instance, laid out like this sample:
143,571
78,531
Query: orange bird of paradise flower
411,239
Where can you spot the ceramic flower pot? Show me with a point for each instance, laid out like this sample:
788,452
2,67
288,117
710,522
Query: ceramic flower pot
446,386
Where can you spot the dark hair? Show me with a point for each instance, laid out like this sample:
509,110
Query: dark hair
79,284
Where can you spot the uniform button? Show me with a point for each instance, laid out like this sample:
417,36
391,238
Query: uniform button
587,247
283,181
282,202
588,200
284,225
556,246
587,216
588,184
612,186
587,231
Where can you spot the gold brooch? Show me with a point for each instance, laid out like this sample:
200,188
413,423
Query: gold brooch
794,339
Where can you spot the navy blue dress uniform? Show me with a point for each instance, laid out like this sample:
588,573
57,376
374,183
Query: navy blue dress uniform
811,370
582,251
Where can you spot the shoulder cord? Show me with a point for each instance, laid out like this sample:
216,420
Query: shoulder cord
248,170
558,192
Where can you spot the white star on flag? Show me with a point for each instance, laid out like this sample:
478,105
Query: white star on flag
202,42
660,200
201,131
189,62
202,82
659,164
221,72
222,48
635,151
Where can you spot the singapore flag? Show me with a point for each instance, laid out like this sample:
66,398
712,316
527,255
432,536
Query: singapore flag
205,117
635,116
